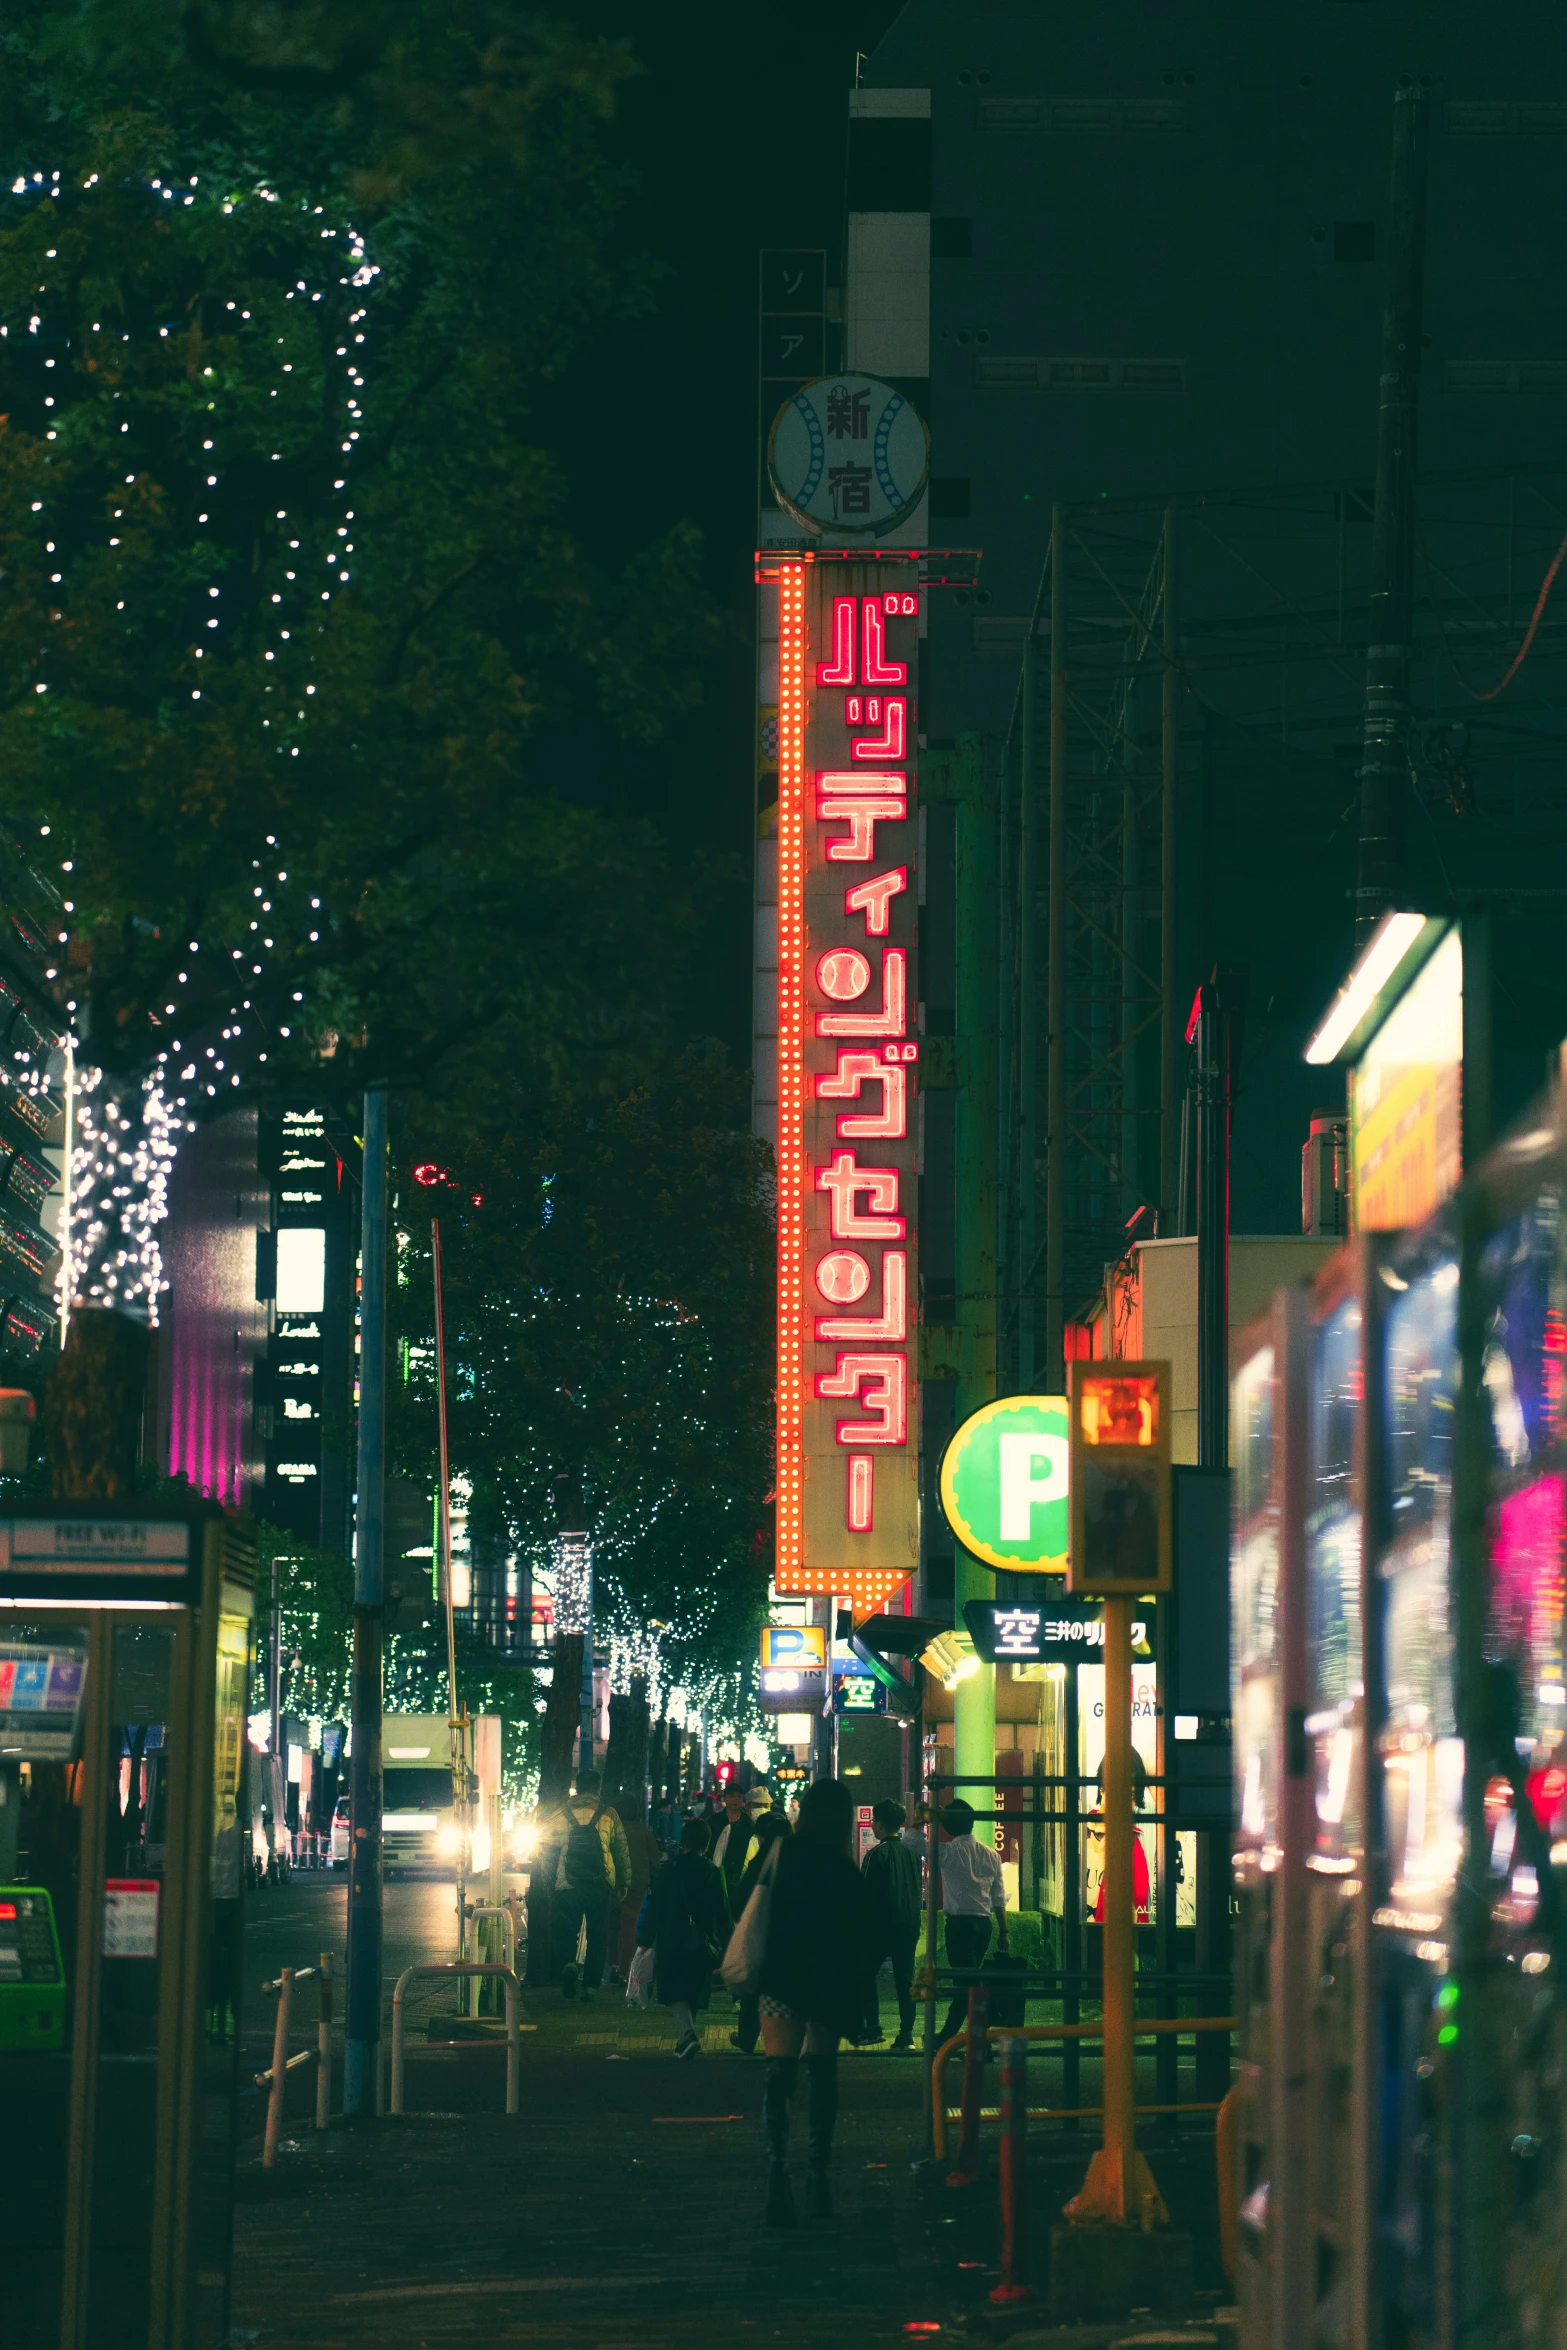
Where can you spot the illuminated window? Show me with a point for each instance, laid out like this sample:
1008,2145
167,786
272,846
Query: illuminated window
301,1270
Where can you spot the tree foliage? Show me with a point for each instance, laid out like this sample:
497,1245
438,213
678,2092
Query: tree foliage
293,597
607,1266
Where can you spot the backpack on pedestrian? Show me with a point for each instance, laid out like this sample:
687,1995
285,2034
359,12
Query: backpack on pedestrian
583,1864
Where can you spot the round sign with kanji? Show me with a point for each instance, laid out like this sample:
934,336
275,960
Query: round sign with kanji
848,455
1004,1486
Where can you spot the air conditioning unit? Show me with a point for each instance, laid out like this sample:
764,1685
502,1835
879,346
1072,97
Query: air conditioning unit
1324,1178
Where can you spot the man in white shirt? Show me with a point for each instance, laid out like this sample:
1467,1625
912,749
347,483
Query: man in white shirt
973,1891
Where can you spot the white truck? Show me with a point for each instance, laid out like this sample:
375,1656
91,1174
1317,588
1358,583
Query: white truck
420,1825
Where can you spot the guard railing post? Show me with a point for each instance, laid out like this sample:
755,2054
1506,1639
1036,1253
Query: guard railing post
967,2166
1014,2169
279,2068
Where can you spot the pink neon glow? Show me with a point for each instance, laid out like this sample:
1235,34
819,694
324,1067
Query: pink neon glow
843,974
1527,1544
891,1122
878,669
890,743
843,1276
844,1179
849,779
893,1320
840,669
874,899
862,1492
878,1382
857,846
890,1020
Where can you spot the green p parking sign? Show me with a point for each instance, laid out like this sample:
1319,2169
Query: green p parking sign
1004,1483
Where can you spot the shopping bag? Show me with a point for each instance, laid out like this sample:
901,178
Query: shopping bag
742,1965
639,1980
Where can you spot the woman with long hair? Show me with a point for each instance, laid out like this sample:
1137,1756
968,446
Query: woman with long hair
811,1986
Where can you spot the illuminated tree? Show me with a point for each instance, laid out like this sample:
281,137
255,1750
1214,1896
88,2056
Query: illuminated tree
608,1281
292,597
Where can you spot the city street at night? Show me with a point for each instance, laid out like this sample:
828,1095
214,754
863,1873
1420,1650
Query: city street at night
783,1175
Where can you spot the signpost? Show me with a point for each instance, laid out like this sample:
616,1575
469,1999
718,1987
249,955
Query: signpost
1119,1551
793,1668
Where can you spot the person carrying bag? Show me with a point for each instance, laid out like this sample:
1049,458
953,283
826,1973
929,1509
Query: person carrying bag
742,1967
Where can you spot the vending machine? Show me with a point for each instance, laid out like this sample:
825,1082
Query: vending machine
1335,2049
1415,1778
1502,2039
1268,1653
124,1663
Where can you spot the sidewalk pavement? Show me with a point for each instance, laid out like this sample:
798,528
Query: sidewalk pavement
623,2205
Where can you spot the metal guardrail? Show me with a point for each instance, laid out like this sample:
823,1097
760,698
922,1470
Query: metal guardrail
283,2064
463,1966
503,1911
1149,2028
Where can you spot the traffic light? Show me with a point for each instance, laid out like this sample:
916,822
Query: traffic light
724,1773
1119,1479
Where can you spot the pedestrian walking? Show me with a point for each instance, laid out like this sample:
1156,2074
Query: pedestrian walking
973,1891
769,1825
811,1986
890,1873
647,1859
685,1922
734,1837
592,1874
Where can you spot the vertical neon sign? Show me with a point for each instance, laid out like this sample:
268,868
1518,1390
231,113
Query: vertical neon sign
847,1466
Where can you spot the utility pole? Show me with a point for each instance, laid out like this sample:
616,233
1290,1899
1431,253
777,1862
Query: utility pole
1215,1030
1051,1369
977,1155
1028,1007
1169,1011
362,2031
1384,769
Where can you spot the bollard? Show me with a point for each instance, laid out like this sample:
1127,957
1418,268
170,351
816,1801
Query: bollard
285,1996
461,1968
966,2170
324,2045
1014,2169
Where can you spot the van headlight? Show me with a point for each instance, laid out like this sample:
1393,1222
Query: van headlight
525,1840
448,1840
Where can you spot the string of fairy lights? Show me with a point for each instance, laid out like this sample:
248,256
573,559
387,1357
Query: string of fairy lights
121,1148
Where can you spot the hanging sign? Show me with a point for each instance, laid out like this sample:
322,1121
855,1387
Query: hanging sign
1005,1483
848,455
847,1455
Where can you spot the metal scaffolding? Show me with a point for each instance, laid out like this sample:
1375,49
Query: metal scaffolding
1154,622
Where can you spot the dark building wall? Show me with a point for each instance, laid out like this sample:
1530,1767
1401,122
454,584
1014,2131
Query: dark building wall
1158,244
212,1329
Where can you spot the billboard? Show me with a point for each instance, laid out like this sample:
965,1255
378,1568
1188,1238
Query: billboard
1404,1100
847,1429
